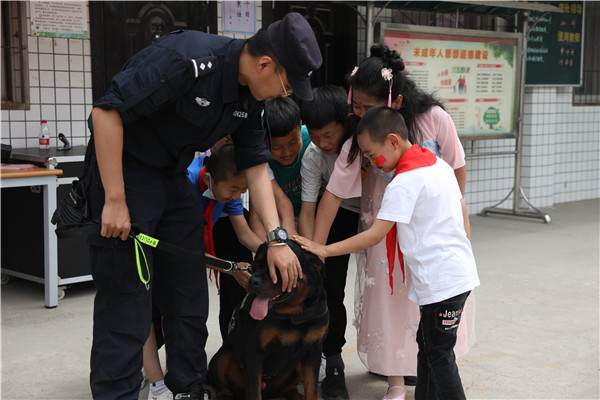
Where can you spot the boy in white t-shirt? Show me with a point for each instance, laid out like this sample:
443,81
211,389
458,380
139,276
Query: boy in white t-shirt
421,215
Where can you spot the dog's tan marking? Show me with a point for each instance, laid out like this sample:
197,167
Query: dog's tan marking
292,307
270,335
316,334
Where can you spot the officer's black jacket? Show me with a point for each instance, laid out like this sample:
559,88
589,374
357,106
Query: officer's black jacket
180,95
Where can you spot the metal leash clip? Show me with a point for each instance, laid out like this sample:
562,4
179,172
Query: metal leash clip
235,268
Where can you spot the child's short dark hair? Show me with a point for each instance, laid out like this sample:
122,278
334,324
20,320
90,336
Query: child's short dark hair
329,103
221,163
381,121
283,115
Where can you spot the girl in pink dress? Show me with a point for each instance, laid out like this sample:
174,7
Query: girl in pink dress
386,320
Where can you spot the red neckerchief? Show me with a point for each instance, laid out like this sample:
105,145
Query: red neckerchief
209,244
413,158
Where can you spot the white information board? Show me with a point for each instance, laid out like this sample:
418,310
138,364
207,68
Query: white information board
59,19
239,16
475,74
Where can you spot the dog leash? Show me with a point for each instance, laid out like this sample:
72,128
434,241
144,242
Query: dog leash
140,239
227,266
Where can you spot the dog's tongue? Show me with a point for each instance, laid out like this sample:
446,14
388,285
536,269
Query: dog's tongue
260,308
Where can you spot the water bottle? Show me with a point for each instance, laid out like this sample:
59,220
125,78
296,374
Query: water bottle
44,136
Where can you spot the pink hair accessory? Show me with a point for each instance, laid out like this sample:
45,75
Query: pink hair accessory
388,75
355,70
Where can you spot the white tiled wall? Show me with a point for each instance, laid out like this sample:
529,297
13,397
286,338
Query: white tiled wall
60,79
560,155
577,149
489,178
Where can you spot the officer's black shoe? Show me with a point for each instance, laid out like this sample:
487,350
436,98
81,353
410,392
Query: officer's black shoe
333,386
410,381
198,392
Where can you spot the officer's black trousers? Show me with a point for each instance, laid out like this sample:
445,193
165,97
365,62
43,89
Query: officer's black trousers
344,225
166,207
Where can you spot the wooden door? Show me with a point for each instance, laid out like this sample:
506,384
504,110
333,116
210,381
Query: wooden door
334,24
119,29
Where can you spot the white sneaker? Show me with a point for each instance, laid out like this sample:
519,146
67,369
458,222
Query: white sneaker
322,368
167,395
163,391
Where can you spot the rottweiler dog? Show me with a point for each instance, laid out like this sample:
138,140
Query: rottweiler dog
275,338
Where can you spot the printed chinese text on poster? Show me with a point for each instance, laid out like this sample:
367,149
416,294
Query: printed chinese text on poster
474,77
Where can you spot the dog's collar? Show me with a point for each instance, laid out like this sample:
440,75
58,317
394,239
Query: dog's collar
308,314
315,312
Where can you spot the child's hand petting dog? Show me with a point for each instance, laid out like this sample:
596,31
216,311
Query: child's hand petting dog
319,250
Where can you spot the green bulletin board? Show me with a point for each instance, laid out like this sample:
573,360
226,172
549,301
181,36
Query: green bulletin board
554,46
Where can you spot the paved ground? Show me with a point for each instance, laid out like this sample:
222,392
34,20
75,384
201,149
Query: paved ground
537,320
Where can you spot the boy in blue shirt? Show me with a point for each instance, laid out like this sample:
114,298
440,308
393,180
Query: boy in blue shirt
219,186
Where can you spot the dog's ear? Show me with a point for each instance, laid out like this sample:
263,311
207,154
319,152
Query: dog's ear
305,255
294,246
261,253
318,263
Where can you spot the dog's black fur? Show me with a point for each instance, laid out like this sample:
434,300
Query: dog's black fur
275,353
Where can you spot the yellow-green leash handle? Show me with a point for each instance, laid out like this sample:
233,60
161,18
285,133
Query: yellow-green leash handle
140,239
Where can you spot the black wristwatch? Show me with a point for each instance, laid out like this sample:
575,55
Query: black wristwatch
279,234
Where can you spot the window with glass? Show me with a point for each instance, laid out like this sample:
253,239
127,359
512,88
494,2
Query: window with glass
15,63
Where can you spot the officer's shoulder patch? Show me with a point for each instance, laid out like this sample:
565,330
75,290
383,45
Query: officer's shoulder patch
202,66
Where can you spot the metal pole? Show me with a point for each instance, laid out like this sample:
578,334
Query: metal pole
517,191
369,28
519,143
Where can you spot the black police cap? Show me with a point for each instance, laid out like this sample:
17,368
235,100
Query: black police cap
296,48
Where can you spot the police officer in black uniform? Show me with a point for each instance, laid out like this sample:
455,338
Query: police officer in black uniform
178,96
